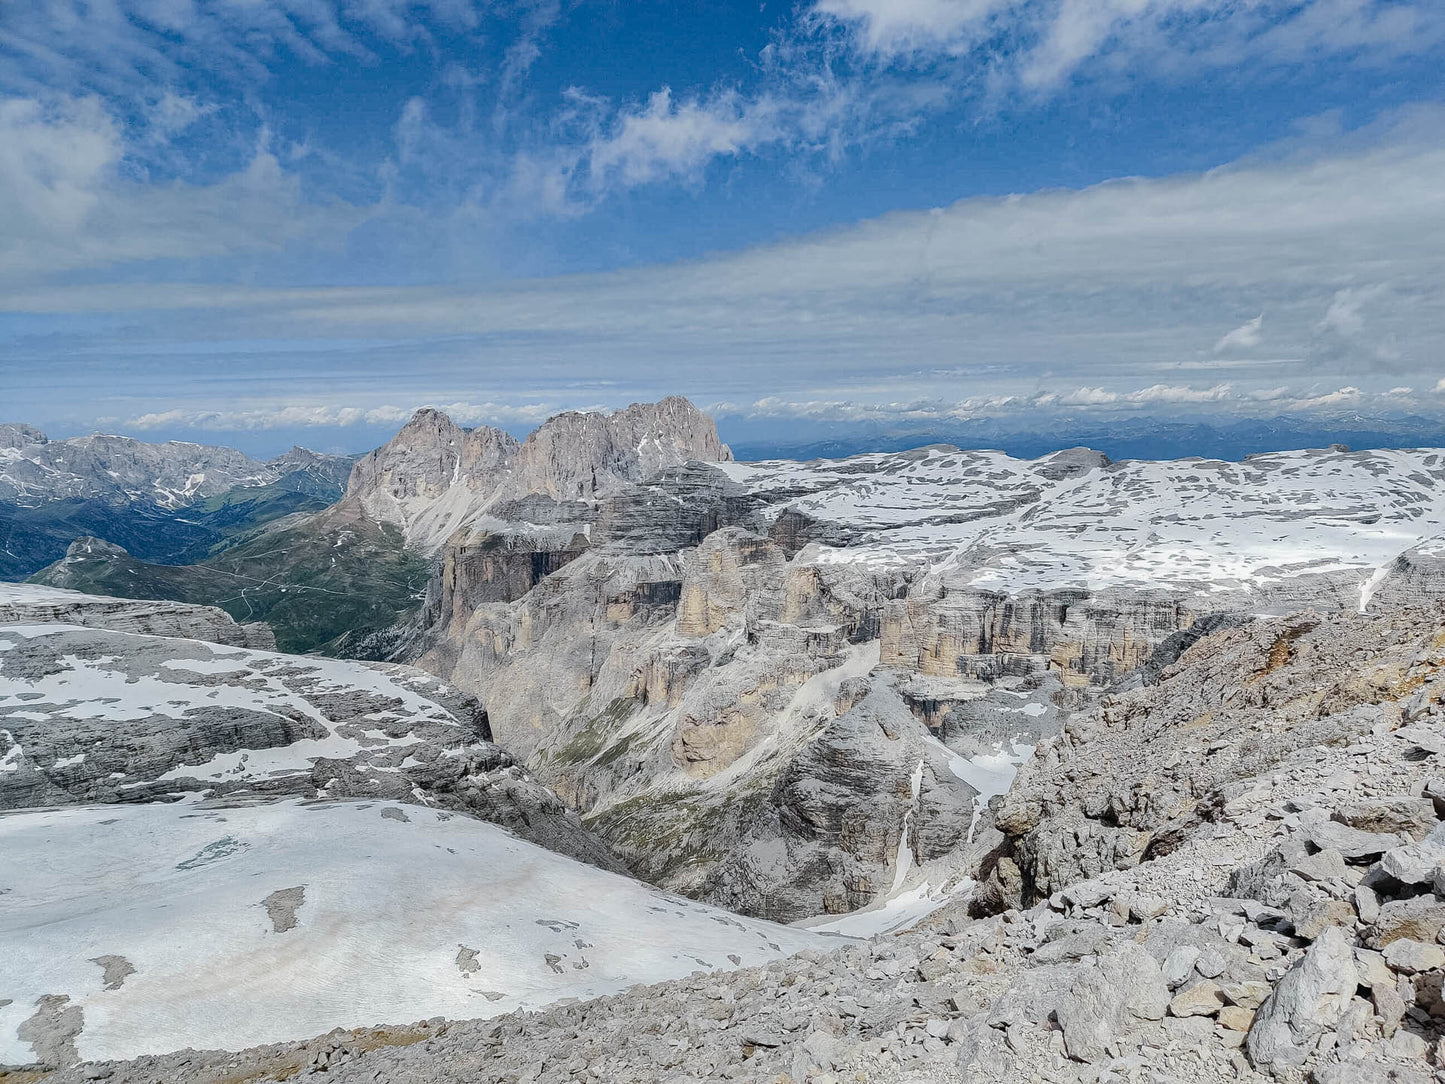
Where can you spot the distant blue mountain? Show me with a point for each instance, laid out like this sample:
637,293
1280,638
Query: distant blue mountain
1124,439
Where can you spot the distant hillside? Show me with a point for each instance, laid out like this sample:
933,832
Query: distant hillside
170,503
327,582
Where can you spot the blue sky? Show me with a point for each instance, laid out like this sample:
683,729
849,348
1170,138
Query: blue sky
298,220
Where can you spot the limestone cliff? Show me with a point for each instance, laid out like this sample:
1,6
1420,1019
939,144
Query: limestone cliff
680,657
434,477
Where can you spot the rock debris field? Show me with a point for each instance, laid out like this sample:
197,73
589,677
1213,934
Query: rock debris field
1236,873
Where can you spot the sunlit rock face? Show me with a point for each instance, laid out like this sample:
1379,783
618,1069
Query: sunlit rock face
435,478
671,654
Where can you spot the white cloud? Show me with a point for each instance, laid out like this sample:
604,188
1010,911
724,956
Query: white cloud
1047,300
1177,394
891,27
665,138
1039,44
1345,315
136,45
1244,337
1440,387
65,202
1089,397
1348,396
173,113
331,416
54,161
1078,401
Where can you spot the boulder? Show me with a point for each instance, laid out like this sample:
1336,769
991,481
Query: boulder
1352,843
1412,956
1419,918
1305,1004
1127,985
1203,998
1412,817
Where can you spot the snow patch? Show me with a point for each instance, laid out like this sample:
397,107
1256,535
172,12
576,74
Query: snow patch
179,892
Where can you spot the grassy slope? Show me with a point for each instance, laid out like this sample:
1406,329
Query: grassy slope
33,537
322,582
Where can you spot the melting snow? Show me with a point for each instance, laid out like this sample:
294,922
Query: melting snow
997,524
178,891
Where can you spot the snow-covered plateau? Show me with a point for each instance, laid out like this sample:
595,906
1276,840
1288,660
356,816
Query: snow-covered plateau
989,521
146,928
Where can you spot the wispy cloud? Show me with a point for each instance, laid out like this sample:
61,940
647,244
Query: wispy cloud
1115,300
838,75
1244,337
1075,402
666,138
1038,44
332,416
66,203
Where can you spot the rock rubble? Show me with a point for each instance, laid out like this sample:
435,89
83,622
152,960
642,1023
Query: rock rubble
1219,934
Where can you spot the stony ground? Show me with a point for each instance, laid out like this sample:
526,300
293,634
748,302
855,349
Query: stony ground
1218,925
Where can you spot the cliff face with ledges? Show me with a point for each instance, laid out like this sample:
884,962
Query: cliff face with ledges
27,604
667,676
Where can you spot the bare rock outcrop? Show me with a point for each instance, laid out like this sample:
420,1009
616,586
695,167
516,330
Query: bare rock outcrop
648,644
435,478
1243,948
577,455
94,716
28,604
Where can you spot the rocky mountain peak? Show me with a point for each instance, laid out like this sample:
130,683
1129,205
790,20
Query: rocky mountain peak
429,457
19,435
1071,463
94,547
575,455
299,458
118,470
420,460
434,477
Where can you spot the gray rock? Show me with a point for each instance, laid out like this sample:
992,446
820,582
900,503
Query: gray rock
30,604
1352,843
1202,998
1306,1003
1211,963
1411,817
1419,918
1414,956
413,737
1091,1015
1179,965
1414,864
1326,865
1127,985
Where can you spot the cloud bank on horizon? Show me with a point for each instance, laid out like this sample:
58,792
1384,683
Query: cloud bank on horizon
319,214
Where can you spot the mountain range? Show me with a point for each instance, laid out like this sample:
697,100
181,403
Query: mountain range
168,503
863,697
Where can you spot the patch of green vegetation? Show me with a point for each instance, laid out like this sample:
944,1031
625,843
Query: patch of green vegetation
615,751
658,835
593,743
32,537
324,583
